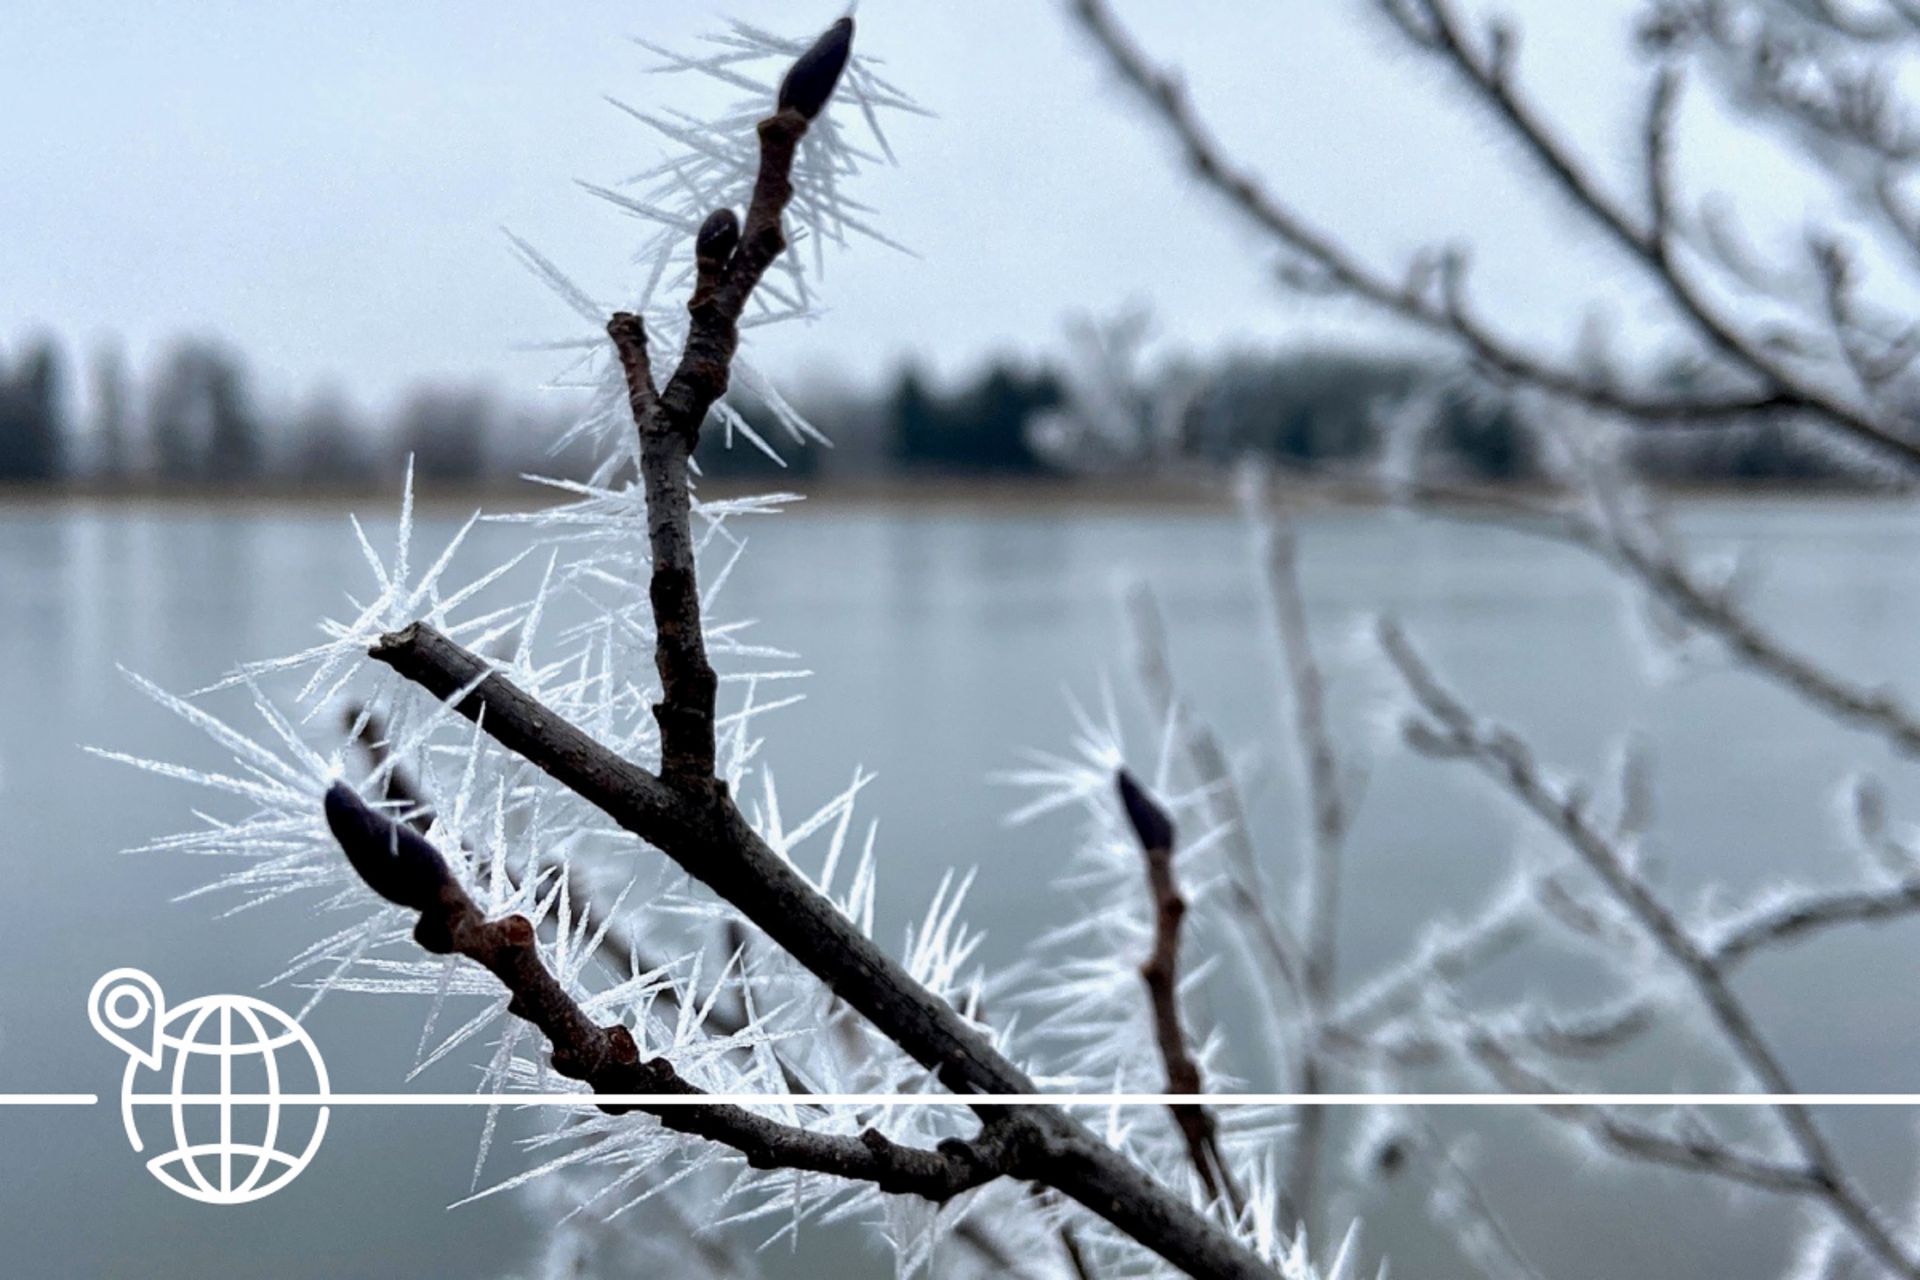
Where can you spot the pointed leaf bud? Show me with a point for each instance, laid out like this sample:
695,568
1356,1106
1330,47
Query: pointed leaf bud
811,79
396,861
1150,822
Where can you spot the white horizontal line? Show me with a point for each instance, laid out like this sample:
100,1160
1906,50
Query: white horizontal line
663,1100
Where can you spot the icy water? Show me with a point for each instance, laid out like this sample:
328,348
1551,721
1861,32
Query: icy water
942,643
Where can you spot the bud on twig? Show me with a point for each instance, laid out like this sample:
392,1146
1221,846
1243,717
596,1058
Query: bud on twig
395,860
810,81
718,235
1150,822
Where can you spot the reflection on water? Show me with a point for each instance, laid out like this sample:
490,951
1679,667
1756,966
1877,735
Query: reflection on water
942,643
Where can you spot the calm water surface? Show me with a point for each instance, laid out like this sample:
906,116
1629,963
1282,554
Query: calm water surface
943,643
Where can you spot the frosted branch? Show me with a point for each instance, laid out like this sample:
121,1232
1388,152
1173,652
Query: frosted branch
1451,731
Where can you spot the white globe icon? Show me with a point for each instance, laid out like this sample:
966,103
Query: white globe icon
207,1081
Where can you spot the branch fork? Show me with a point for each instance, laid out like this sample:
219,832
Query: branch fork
684,811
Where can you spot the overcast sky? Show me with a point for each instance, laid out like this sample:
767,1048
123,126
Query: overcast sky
324,183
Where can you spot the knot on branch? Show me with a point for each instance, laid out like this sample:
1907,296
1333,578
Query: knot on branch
955,1165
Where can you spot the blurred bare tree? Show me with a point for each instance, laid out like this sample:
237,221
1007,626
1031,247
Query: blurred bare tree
1817,350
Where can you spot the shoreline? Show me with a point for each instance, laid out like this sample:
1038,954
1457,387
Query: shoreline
1192,495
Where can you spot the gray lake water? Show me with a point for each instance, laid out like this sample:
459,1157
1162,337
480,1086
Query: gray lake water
942,643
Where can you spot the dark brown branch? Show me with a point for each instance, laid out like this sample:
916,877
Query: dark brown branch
706,835
629,336
687,680
618,949
686,813
400,865
729,260
1161,974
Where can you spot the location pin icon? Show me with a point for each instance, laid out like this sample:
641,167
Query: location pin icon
127,1008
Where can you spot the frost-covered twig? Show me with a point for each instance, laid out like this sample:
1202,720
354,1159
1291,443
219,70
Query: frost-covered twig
1693,1151
730,257
1394,1141
621,951
688,812
1381,1020
1160,972
400,865
1326,797
705,833
1451,730
1634,549
560,767
1877,709
1459,1204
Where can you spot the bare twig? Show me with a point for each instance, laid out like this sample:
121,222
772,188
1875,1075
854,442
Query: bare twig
687,813
1693,1152
1873,708
401,866
1153,828
708,837
1327,801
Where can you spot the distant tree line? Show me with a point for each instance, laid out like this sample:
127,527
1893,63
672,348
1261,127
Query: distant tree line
195,419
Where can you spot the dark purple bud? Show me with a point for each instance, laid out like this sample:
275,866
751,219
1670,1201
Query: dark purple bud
395,860
1391,1156
1150,822
718,235
810,80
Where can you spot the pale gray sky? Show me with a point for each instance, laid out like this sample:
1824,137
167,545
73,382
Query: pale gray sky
324,183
